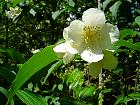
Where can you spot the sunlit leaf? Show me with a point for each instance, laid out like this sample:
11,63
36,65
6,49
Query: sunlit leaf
87,92
127,32
74,79
15,2
30,98
134,95
129,44
119,100
33,65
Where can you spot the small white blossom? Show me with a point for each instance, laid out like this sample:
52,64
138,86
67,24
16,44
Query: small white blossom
13,12
35,51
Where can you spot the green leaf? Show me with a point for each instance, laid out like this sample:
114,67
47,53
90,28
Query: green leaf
129,44
109,61
15,2
71,3
74,79
127,32
126,100
87,92
136,46
105,3
32,11
30,98
7,74
137,20
119,100
5,92
114,8
57,13
106,91
54,67
95,69
134,95
60,87
32,66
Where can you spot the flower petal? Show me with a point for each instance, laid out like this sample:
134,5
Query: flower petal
93,17
70,48
68,57
92,55
105,40
65,33
95,69
65,47
61,48
114,34
109,61
76,31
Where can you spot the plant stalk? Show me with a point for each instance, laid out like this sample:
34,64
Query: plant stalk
100,98
99,4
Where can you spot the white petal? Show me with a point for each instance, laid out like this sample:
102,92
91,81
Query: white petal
65,33
95,69
93,17
61,48
76,31
70,49
65,47
105,40
68,57
91,56
109,61
114,34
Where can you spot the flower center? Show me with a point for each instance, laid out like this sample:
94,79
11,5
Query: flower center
91,34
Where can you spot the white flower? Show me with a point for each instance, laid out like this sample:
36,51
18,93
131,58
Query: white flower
89,37
13,12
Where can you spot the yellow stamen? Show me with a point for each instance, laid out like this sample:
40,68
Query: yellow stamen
91,34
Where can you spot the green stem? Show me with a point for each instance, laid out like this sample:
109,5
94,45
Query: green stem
101,95
100,98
